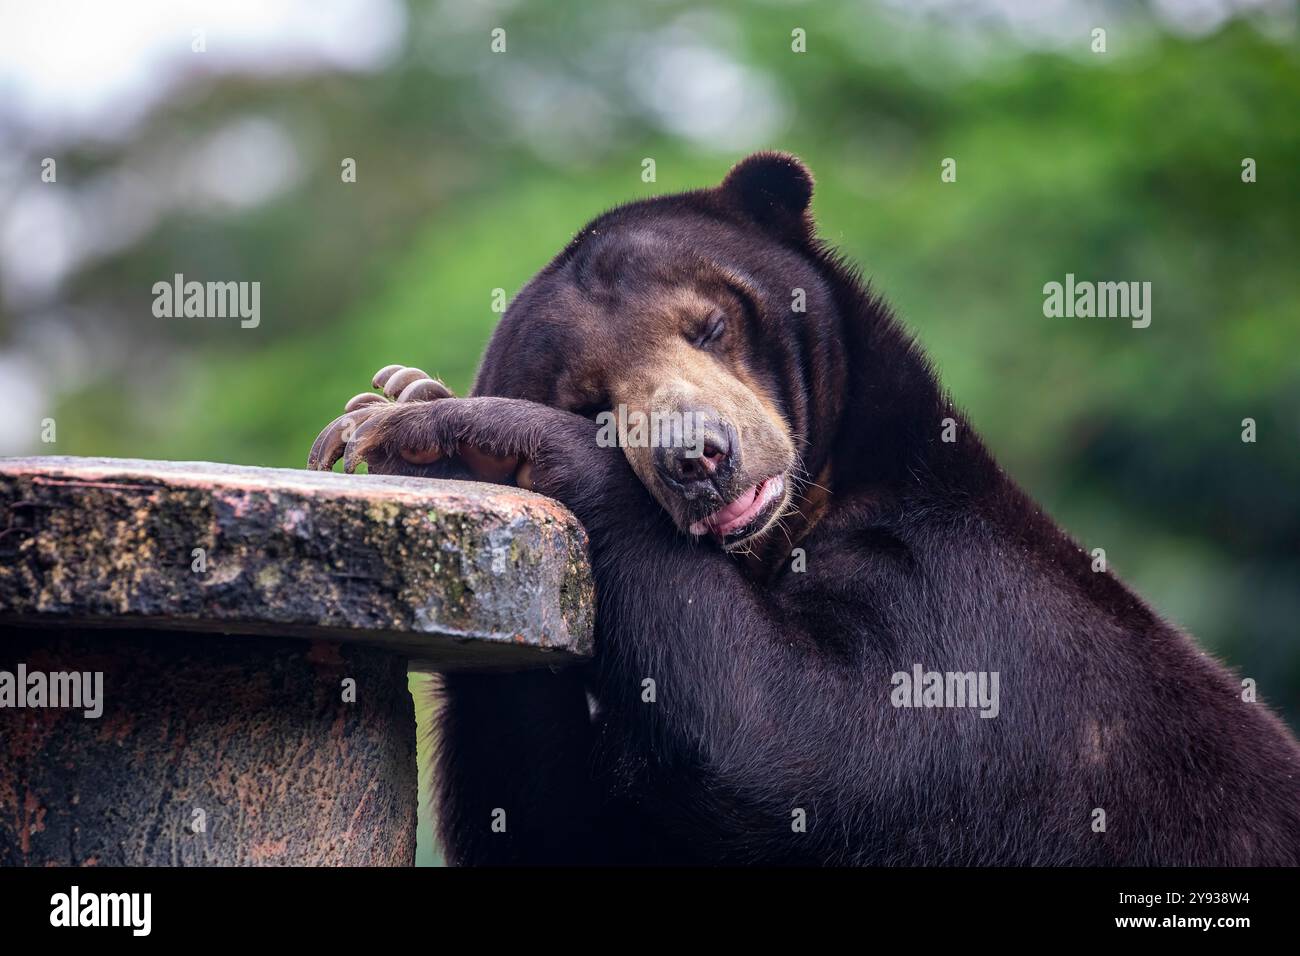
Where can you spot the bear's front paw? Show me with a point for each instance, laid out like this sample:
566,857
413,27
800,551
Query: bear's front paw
502,440
490,439
396,385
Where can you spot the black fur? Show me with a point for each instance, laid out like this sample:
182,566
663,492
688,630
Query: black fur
773,688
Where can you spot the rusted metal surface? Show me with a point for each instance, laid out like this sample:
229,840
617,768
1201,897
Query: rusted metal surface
209,750
452,574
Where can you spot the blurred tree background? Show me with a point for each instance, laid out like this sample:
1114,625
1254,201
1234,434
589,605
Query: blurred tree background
473,168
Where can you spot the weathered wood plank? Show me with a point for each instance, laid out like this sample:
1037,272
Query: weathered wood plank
207,751
453,574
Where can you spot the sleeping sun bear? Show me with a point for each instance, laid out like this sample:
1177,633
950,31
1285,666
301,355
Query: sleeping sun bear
866,645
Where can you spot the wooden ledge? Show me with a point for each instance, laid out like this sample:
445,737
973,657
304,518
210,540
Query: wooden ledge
453,574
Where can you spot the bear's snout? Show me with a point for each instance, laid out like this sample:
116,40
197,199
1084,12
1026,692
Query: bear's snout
702,463
711,450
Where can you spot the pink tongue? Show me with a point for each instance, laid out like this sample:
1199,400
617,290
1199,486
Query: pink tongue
735,509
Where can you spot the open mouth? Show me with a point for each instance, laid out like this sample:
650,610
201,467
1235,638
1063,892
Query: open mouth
746,514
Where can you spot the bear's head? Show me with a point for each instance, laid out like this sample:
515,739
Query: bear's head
699,330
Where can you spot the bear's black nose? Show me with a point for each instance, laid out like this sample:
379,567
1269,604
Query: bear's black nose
703,459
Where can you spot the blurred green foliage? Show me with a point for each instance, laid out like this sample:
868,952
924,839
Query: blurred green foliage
473,170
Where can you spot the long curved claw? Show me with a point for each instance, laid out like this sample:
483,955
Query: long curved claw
398,381
328,445
384,374
400,384
365,398
331,443
353,452
424,390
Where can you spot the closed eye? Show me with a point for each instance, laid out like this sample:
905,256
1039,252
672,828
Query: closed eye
711,331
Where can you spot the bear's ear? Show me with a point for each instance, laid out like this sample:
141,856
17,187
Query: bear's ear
774,190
